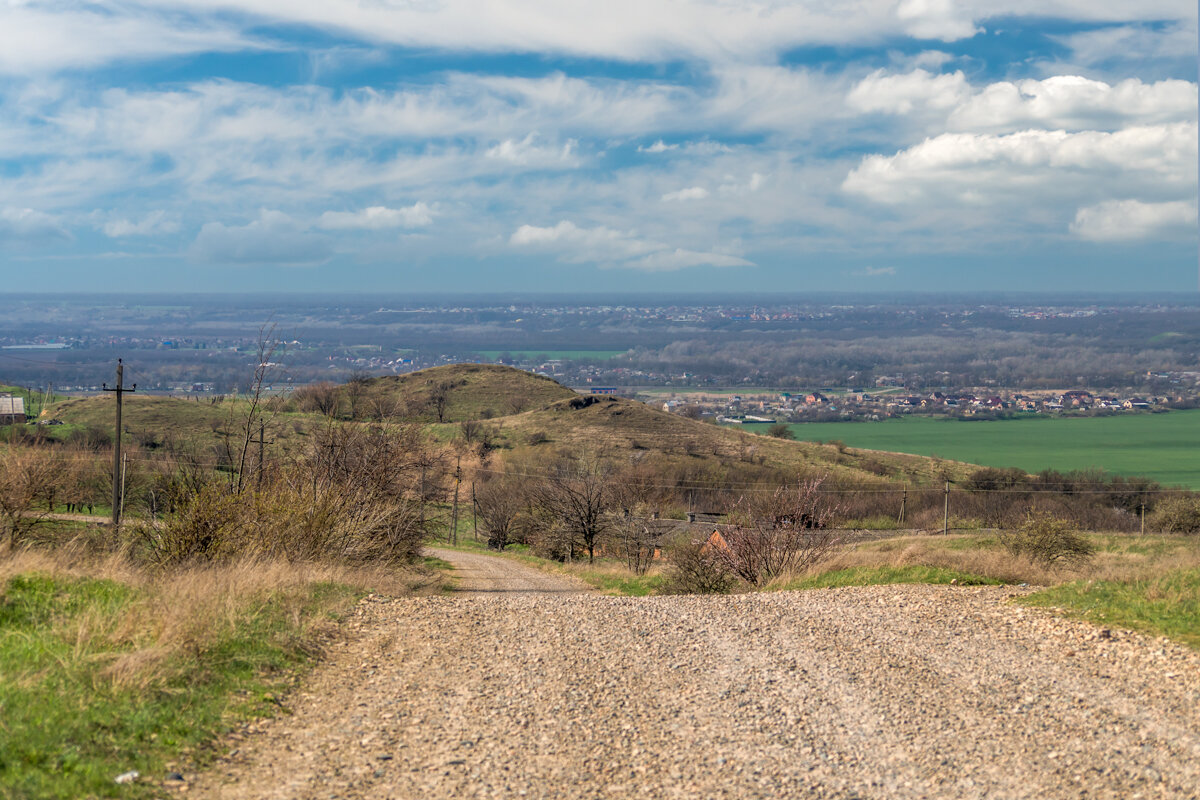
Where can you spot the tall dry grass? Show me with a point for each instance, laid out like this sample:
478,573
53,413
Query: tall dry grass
170,618
1119,558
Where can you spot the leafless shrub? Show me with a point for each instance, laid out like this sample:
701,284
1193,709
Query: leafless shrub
1049,540
782,533
695,569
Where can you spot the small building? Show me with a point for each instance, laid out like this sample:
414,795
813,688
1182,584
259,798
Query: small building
12,410
604,390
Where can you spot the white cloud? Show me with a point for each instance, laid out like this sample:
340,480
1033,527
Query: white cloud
876,272
28,226
611,248
947,20
690,193
898,94
151,224
1128,220
35,39
671,260
658,147
1136,44
378,217
1073,102
976,168
1065,101
527,153
273,238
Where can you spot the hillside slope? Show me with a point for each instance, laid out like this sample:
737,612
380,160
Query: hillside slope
614,425
469,391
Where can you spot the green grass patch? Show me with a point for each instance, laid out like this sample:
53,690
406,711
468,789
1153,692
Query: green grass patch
68,727
878,576
1158,446
1166,605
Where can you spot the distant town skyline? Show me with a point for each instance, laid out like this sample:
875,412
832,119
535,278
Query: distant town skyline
656,146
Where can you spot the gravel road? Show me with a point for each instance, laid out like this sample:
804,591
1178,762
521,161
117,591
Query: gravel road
542,691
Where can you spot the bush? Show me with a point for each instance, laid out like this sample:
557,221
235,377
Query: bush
1177,515
695,570
1050,541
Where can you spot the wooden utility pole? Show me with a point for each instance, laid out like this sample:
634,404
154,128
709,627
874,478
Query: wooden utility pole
903,503
454,515
946,512
1143,519
117,473
262,451
474,511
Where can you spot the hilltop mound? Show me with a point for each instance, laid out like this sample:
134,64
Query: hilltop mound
451,393
615,425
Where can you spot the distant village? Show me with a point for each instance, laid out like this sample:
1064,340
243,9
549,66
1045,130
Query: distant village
861,405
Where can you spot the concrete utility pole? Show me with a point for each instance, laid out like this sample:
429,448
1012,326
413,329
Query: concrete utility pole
117,473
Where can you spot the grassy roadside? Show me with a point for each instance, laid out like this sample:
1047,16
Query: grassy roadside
106,669
1165,605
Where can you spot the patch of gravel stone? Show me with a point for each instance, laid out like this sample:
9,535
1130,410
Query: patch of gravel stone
887,692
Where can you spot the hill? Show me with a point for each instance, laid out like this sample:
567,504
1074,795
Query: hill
523,412
614,425
451,393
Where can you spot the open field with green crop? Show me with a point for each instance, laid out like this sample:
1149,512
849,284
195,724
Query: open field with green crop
1158,446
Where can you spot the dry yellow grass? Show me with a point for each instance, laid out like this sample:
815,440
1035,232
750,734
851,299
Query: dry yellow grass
182,611
1119,558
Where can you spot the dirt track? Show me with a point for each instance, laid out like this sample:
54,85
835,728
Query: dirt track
523,686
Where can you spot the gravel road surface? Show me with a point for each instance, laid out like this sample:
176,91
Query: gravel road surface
543,691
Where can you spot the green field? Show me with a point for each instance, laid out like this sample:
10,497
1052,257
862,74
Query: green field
1164,447
561,355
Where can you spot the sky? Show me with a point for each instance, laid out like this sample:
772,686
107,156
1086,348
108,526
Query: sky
557,145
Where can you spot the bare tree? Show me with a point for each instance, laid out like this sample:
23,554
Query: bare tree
500,501
578,494
439,398
268,344
27,476
783,533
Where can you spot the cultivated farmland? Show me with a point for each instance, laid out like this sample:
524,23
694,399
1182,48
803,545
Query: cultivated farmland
1162,447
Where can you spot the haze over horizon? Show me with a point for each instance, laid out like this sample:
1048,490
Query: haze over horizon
658,146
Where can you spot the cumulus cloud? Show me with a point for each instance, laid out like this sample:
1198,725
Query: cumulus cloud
1074,102
607,247
32,227
273,238
690,193
970,168
899,94
378,217
1129,220
1070,102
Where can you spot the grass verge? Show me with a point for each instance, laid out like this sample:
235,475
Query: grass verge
105,668
876,576
1166,605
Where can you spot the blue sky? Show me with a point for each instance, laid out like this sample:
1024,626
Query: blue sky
384,145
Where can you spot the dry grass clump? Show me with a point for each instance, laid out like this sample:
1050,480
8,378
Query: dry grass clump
169,619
